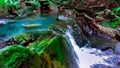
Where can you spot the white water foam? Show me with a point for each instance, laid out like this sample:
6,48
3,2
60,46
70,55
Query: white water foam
89,57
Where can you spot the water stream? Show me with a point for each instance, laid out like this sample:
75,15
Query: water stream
85,57
15,27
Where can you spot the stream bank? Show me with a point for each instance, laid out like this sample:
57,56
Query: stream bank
66,40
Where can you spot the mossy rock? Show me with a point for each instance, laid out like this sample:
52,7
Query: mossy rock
17,56
51,51
22,38
46,51
13,56
33,35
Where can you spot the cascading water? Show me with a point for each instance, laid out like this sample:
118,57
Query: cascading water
79,55
87,57
75,47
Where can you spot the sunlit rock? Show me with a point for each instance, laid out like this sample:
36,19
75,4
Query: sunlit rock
31,25
62,17
3,22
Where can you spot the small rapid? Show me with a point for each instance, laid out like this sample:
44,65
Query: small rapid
80,53
86,56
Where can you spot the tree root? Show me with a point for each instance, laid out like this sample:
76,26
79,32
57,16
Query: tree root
98,28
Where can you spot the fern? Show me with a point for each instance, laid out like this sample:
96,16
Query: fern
116,10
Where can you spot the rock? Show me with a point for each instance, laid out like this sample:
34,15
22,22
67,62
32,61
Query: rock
117,48
102,59
2,22
62,17
53,8
15,56
46,51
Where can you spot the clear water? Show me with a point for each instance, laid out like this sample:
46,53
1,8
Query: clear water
84,57
15,27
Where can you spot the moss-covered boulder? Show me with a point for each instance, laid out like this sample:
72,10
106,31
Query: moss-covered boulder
48,53
50,50
13,56
46,50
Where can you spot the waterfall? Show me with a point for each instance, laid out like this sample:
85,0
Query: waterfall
87,57
75,47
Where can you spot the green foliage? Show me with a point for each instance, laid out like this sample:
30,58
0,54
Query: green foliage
55,47
46,51
13,56
1,2
22,38
12,4
115,22
38,47
116,10
52,46
58,2
35,4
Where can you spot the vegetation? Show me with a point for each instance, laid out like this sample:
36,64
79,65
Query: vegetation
14,55
46,49
39,52
116,10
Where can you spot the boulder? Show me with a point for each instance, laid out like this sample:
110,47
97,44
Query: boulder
2,22
31,25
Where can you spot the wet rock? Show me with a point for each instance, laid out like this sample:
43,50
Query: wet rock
102,59
54,8
2,22
47,51
62,17
5,21
2,45
44,7
117,48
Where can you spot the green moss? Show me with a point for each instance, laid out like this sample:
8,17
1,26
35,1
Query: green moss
115,22
17,56
45,51
20,39
111,23
55,48
50,49
1,2
13,56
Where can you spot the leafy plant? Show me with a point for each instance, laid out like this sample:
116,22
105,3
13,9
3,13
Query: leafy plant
115,22
1,2
34,3
13,56
58,2
12,4
116,10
